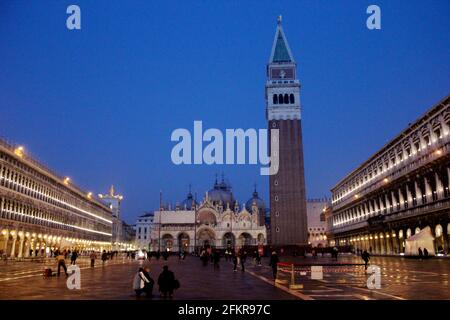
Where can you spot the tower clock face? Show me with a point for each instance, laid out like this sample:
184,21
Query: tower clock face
282,73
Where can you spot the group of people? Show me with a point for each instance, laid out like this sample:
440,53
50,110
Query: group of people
423,254
143,282
210,255
62,256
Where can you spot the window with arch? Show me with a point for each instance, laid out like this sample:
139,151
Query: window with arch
286,98
438,231
275,99
280,98
291,98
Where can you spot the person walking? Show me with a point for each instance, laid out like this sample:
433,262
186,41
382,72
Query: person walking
243,259
366,257
335,253
258,259
235,261
167,282
425,253
420,253
148,286
274,263
104,257
61,263
73,258
93,256
139,282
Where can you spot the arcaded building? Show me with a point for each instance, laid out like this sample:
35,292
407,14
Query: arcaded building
41,211
401,190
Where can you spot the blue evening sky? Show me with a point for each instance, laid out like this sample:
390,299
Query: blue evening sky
99,104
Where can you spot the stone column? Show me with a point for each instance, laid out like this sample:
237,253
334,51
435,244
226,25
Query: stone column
401,199
13,248
439,186
22,238
444,126
376,205
418,193
409,197
448,176
27,247
428,191
5,248
388,202
394,200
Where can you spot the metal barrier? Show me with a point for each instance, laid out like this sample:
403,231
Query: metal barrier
289,273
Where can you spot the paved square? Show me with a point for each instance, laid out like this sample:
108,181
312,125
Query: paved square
401,279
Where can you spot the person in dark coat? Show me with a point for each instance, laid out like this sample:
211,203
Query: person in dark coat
243,257
366,257
148,286
425,253
73,258
274,263
235,261
104,257
166,282
420,253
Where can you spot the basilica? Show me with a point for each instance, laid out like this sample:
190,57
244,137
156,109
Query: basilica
217,221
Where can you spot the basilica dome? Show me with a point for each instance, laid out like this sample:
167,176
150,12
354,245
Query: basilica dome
189,202
258,201
221,194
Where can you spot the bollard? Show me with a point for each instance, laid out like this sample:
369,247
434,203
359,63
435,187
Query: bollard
293,285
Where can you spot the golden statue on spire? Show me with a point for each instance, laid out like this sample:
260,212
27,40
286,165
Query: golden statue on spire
111,191
279,18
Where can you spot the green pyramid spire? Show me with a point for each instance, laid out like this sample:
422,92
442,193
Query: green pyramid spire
280,49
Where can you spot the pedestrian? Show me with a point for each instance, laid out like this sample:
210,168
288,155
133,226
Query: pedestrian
93,256
104,257
425,253
73,258
61,263
274,263
258,258
139,282
335,253
167,282
148,286
204,258
235,261
420,253
243,258
366,257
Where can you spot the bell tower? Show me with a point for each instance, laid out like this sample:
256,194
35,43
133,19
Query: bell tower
283,112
